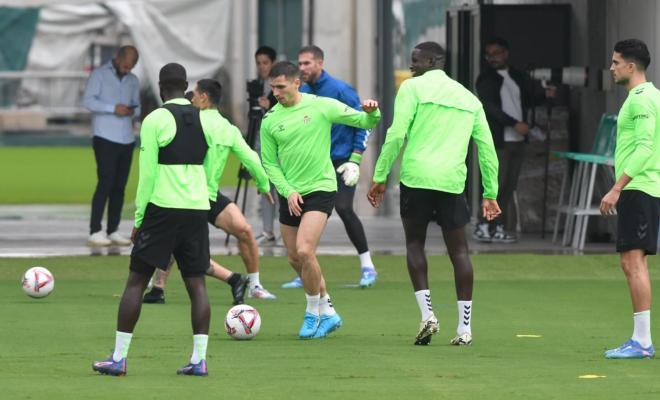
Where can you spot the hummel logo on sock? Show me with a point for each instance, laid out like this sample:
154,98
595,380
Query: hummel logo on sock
466,315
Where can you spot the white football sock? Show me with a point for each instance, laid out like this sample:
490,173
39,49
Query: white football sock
464,317
642,328
199,348
122,343
325,306
365,260
313,303
424,302
253,280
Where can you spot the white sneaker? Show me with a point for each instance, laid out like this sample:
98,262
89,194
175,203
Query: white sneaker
266,239
98,239
118,240
258,292
482,233
426,329
464,339
500,236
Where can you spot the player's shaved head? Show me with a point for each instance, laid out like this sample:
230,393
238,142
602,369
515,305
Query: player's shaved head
425,57
431,50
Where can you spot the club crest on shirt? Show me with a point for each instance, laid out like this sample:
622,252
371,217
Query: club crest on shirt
280,128
306,120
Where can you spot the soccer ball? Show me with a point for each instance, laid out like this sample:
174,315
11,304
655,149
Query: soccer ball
38,282
242,322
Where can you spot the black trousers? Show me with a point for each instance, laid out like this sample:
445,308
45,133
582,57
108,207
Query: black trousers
511,156
113,163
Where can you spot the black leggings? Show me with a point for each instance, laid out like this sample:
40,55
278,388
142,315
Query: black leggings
354,228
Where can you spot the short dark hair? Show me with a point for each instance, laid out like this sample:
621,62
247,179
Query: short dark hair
634,50
267,51
497,41
286,68
212,88
172,72
189,95
314,50
431,49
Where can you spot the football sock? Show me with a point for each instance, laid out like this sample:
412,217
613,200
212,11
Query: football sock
642,328
464,317
199,348
233,278
122,343
326,307
365,260
313,303
424,302
253,280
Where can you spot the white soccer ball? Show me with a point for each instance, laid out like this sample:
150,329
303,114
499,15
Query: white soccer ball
38,282
242,322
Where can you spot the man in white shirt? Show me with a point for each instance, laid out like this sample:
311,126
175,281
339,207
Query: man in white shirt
505,94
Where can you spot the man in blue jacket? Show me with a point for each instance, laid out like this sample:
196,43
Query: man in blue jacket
347,146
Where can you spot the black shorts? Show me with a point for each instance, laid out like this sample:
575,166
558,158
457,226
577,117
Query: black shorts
449,210
217,207
172,231
315,201
637,216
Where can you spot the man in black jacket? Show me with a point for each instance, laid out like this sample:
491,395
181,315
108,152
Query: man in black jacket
506,95
264,59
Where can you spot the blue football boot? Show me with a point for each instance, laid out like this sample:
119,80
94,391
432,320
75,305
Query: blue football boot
294,284
327,325
110,367
310,326
368,277
630,349
198,369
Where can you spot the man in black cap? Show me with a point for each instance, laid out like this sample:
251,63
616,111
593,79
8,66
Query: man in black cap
172,204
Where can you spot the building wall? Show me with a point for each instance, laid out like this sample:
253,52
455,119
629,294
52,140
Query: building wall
240,61
633,19
349,44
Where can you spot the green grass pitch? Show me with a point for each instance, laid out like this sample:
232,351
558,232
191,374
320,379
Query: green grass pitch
578,305
64,175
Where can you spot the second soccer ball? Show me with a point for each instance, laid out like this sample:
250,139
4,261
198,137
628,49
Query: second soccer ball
38,282
242,322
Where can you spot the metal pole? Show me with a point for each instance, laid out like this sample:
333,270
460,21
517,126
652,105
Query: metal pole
385,81
310,23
